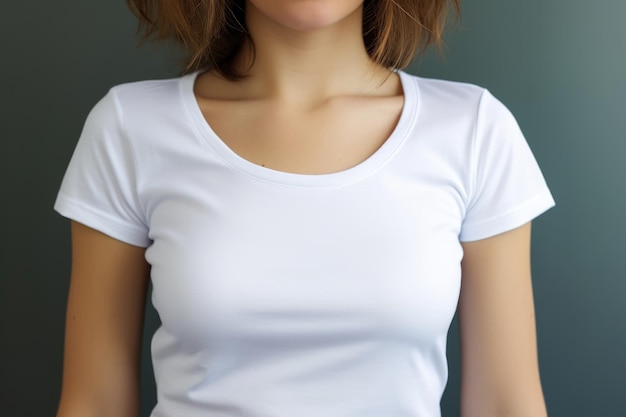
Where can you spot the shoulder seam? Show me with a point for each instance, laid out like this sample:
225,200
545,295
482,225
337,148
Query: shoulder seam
473,171
133,152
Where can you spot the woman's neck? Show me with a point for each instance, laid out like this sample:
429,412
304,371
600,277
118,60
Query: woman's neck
307,66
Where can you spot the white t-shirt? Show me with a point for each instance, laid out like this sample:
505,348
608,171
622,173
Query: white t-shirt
284,294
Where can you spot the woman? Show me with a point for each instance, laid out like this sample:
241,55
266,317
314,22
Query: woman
311,217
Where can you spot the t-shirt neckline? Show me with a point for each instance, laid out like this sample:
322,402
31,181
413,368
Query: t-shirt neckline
351,175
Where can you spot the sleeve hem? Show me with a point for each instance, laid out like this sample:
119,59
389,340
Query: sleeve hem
91,217
510,220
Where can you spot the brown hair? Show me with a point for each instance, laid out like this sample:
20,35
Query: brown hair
213,31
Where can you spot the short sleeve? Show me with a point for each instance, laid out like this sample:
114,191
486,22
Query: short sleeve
507,186
99,188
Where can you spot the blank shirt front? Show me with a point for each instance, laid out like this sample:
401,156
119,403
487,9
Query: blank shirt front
285,294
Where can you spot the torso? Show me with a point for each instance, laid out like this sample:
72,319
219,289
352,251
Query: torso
298,287
331,137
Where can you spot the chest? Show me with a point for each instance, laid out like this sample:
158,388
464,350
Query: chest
332,137
232,256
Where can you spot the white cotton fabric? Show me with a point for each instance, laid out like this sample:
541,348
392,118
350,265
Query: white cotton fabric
283,294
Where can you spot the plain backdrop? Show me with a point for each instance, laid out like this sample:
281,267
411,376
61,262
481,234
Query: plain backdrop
559,65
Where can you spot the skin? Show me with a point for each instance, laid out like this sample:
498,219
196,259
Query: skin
304,80
103,327
499,368
315,105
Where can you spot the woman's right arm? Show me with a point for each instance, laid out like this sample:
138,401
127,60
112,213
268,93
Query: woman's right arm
103,326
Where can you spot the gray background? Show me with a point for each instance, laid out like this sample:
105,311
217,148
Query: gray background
559,65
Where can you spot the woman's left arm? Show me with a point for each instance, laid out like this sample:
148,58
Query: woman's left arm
499,367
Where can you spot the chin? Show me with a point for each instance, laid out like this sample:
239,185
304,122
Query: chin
303,15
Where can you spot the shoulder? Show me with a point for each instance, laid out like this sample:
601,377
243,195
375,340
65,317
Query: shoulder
445,92
140,106
459,103
146,94
455,97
